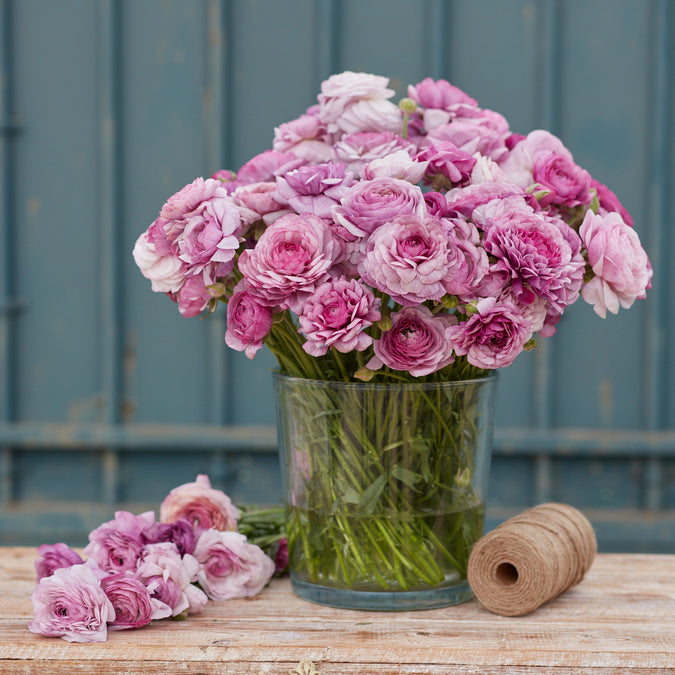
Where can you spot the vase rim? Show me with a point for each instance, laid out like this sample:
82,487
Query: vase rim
491,375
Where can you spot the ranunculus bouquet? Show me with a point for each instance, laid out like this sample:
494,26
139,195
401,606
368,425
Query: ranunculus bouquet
424,242
137,569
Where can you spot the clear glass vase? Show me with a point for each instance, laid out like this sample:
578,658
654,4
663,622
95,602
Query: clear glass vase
385,488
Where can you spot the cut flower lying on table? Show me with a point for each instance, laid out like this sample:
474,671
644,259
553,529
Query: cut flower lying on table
376,241
138,569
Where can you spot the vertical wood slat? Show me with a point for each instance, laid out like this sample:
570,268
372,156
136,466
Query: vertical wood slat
109,164
437,22
7,290
327,29
549,26
659,181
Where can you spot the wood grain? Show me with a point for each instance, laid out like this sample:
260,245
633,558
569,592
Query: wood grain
619,619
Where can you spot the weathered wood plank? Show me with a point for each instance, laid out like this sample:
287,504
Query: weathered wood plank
619,619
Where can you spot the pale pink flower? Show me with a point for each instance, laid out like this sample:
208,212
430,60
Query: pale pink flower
407,258
203,506
131,601
71,604
292,256
353,102
357,150
305,137
621,268
230,566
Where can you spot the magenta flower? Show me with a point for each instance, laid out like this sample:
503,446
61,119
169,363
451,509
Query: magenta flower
248,321
493,336
371,203
621,267
52,557
199,503
116,545
130,600
180,532
291,258
230,566
441,101
336,315
537,258
72,605
407,258
314,189
567,183
416,342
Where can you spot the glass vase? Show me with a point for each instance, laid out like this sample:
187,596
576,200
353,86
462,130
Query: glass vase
385,488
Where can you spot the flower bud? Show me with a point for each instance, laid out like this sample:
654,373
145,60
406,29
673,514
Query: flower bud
407,105
364,374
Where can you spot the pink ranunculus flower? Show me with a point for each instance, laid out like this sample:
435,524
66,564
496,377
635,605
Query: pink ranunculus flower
169,578
447,163
116,545
336,315
305,137
266,166
180,533
470,201
203,506
407,258
439,94
314,188
165,271
536,257
353,102
210,236
256,202
416,342
493,336
193,296
468,262
231,567
52,557
292,256
518,165
398,164
131,601
357,150
482,130
72,605
248,321
371,203
621,268
566,182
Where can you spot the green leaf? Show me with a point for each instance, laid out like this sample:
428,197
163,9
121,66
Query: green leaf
409,478
371,494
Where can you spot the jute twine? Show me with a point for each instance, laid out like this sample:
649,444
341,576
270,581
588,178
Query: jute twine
531,558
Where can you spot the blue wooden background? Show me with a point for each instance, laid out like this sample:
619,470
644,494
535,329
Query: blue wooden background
108,398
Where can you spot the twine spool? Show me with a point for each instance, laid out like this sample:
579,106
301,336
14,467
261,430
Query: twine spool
531,558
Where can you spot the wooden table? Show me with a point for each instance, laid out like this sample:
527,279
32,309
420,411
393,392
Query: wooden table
619,619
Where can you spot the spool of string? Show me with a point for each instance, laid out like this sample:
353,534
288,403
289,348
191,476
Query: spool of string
531,558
